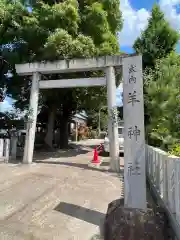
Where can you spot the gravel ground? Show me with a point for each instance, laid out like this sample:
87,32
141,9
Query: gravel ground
58,197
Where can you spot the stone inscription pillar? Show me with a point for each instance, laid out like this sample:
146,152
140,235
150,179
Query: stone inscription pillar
134,144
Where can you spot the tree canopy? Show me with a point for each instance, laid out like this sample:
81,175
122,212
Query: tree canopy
163,101
58,30
157,40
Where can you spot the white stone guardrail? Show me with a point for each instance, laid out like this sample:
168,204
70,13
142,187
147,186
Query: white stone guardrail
163,175
8,149
4,149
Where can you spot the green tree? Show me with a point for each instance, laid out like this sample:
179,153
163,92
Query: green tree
120,112
95,115
157,40
10,120
60,30
163,102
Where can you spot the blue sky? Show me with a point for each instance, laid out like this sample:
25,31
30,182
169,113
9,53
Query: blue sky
135,16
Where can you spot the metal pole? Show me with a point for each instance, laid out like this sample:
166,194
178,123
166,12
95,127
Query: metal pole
76,131
100,121
100,118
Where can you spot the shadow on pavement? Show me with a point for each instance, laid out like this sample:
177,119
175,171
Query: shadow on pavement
104,164
43,154
103,167
105,154
82,213
76,165
74,151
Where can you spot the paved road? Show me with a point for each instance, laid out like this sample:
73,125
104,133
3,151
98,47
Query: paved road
59,197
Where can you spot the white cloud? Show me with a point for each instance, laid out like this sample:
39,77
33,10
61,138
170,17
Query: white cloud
119,92
5,106
169,9
135,21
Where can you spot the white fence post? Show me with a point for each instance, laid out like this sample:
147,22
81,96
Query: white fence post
147,157
14,147
151,162
177,189
160,174
165,179
164,174
157,168
1,147
171,183
154,168
6,149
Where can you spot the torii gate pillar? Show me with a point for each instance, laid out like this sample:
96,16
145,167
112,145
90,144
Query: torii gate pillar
32,119
112,119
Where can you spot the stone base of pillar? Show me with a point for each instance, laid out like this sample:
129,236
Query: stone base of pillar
133,224
115,164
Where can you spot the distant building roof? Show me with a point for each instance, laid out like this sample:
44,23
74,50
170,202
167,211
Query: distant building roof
80,117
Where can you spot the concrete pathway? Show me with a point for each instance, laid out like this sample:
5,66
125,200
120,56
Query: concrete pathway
59,197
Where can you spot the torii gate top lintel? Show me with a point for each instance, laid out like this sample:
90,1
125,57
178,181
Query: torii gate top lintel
72,65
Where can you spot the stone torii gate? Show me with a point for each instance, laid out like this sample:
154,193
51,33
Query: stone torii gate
134,145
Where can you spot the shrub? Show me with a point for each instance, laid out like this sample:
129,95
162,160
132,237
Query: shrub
175,150
82,133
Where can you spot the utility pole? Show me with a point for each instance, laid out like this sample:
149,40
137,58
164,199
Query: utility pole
99,127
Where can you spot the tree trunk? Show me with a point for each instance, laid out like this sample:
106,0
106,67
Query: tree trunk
50,129
66,113
64,133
